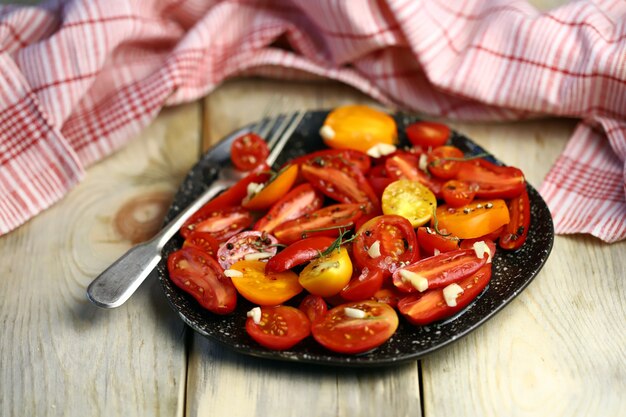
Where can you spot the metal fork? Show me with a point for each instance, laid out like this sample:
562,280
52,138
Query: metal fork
120,280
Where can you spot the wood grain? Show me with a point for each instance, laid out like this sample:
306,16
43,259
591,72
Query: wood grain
60,355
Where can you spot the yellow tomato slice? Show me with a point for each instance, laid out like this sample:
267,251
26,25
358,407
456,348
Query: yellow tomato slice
264,288
411,200
358,127
327,275
473,220
273,191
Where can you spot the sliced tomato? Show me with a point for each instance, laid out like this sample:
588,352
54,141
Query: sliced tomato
313,306
323,222
514,234
262,287
431,306
458,193
445,161
299,201
410,199
222,224
489,237
473,220
246,245
248,151
492,181
203,241
199,275
299,252
275,189
328,274
429,241
337,158
427,134
363,285
395,239
441,270
280,327
389,295
340,331
406,166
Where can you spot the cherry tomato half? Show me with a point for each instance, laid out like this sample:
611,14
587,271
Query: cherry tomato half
337,157
476,219
280,327
406,166
428,134
493,181
222,224
328,274
411,200
262,287
275,189
363,285
514,234
457,193
395,240
298,253
299,201
248,151
203,241
445,161
429,241
245,245
199,275
343,331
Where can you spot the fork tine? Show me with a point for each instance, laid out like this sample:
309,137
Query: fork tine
282,134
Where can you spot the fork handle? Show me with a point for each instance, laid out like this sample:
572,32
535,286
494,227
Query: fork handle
120,280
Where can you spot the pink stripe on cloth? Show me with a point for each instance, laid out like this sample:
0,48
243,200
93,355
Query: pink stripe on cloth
79,78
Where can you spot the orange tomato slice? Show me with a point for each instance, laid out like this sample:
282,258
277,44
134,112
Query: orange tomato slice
264,288
476,219
273,191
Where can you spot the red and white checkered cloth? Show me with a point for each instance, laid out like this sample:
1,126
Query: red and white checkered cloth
79,78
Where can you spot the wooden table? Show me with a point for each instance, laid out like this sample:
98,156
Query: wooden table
559,349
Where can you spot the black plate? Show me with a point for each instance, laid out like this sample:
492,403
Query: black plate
513,271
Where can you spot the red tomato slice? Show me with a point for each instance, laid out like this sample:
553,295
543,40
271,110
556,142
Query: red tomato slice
248,151
246,245
429,240
406,166
427,134
493,181
514,234
301,200
457,193
442,270
298,253
397,244
324,222
341,332
426,308
337,158
222,224
203,241
314,307
442,161
199,275
280,328
489,237
229,198
389,295
363,285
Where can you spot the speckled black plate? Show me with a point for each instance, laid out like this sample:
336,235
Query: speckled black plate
512,272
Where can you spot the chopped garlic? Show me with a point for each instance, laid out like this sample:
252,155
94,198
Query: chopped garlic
450,294
354,313
423,162
481,248
233,273
327,132
436,252
416,280
255,313
381,149
374,250
256,256
254,188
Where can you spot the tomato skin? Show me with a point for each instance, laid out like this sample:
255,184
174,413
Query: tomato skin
337,157
473,220
314,307
429,240
273,191
457,193
443,269
340,333
245,243
427,134
397,240
514,234
328,274
335,216
298,253
493,181
248,151
440,166
425,308
280,328
363,285
199,275
203,241
299,201
264,288
222,224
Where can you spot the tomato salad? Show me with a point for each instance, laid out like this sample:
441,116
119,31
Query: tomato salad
340,244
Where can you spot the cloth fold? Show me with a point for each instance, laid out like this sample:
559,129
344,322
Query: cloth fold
79,78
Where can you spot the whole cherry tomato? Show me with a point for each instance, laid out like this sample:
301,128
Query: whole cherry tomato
301,200
248,151
313,306
280,327
427,134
